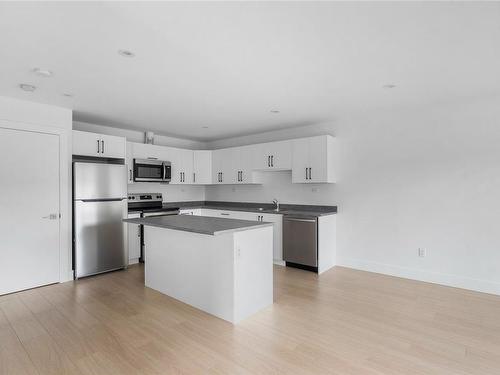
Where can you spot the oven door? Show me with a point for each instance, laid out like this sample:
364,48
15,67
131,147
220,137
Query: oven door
149,170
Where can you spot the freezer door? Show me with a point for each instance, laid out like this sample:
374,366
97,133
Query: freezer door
99,181
100,236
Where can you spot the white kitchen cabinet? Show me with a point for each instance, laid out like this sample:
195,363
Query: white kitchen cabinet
313,160
134,240
202,167
271,156
182,165
242,165
129,161
222,166
276,219
98,145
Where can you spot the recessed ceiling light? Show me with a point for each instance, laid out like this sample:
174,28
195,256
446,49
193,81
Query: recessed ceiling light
204,127
27,87
389,86
126,53
68,95
274,111
42,72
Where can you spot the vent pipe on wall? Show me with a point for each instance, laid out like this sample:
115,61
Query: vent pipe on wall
149,138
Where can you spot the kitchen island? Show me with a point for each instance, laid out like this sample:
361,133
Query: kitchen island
221,266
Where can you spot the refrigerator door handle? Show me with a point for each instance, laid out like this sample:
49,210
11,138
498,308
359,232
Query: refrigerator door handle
102,200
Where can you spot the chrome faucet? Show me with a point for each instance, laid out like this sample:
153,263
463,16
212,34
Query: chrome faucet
277,204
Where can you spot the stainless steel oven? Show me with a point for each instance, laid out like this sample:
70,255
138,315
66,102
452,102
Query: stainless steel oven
152,170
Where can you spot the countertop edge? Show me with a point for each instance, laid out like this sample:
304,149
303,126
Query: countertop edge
141,222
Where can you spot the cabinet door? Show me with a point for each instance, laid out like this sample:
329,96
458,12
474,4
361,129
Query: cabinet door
86,144
277,221
134,242
318,159
217,165
175,157
187,166
113,147
262,156
129,160
246,165
300,160
281,155
202,167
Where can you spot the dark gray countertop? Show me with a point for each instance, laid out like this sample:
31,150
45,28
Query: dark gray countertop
198,224
285,209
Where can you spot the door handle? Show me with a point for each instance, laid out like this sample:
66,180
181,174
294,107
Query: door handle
98,149
102,146
51,217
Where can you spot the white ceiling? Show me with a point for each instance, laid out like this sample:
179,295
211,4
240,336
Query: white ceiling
226,65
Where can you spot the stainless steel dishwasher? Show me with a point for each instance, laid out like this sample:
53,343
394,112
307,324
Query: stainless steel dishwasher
300,242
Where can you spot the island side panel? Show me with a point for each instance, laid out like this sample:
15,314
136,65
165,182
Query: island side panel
194,268
253,271
327,242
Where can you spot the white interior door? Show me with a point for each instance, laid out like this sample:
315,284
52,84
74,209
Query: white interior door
29,209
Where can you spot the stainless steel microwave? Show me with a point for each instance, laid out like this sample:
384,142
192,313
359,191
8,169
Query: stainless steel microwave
152,170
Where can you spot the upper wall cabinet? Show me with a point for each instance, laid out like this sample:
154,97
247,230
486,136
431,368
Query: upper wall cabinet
98,145
273,156
313,160
182,165
202,167
222,164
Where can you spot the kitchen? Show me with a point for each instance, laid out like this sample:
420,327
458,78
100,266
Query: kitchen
255,188
303,235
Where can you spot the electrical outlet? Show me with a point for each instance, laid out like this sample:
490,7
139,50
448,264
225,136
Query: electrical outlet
422,252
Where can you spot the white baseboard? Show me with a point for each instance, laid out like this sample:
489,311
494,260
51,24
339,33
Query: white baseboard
133,261
477,285
279,262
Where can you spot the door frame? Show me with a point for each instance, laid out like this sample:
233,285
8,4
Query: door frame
65,210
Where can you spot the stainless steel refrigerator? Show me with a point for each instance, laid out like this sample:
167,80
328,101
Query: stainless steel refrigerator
100,204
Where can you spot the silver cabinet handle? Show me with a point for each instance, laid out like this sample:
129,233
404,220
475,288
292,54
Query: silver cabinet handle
241,176
310,173
268,161
303,220
98,149
51,217
272,160
194,177
130,174
306,173
224,214
102,146
138,231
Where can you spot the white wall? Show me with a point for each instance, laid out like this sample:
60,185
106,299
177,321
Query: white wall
21,114
407,179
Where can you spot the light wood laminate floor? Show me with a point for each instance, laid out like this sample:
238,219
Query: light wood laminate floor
342,322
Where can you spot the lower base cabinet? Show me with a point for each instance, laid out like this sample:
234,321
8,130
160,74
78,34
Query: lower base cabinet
276,219
134,240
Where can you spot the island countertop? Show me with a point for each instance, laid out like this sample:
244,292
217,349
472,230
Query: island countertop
198,224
